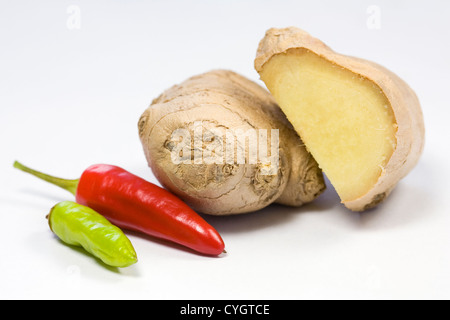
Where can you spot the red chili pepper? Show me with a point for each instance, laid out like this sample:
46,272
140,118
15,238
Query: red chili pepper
133,203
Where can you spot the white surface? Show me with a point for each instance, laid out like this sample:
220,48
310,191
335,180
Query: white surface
71,98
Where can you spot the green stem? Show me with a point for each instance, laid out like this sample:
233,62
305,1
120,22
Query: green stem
68,185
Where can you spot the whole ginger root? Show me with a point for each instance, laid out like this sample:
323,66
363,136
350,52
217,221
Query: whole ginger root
189,131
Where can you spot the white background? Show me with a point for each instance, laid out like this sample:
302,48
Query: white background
70,98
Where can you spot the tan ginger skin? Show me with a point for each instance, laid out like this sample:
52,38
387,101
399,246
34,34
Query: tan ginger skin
402,99
224,99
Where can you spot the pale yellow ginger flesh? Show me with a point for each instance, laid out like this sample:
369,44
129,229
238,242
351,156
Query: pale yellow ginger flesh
345,120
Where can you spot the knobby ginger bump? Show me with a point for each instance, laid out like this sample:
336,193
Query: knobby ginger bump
362,123
204,138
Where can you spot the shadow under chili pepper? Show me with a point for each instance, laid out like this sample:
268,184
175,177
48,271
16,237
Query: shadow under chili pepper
83,252
170,244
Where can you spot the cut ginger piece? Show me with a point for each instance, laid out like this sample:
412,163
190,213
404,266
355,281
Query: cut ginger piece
361,123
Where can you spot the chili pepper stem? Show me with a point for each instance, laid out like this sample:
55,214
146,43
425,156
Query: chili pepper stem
68,185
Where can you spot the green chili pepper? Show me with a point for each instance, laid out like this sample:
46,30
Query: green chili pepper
81,226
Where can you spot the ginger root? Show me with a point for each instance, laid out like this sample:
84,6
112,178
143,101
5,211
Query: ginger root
361,122
189,131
